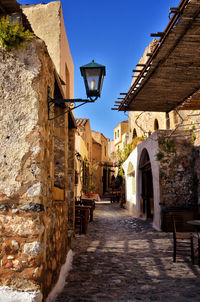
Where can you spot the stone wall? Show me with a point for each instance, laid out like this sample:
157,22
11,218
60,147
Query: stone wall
71,179
96,157
175,164
52,31
59,149
197,163
33,225
178,183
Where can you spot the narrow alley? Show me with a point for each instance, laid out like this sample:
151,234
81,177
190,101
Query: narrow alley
124,259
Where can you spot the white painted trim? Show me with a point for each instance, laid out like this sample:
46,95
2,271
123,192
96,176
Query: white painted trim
66,267
9,295
151,145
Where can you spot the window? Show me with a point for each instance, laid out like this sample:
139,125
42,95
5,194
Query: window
76,177
134,133
16,17
167,120
156,125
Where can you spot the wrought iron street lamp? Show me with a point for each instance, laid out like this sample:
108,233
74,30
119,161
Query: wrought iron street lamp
93,75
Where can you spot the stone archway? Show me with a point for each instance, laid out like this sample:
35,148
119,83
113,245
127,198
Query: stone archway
146,200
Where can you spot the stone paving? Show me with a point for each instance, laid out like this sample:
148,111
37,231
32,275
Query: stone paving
124,259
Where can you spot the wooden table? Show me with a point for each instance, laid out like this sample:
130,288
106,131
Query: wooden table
196,224
84,212
88,202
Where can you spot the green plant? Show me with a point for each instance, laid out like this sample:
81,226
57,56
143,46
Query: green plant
136,140
193,137
89,183
12,34
159,155
121,156
162,174
168,146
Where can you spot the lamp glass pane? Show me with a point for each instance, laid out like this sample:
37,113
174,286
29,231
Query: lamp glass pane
92,76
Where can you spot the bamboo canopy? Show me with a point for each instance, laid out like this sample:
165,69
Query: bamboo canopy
171,76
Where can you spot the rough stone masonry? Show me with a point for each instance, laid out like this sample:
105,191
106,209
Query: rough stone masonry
33,226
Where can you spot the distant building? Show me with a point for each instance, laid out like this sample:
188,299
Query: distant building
120,134
101,157
83,149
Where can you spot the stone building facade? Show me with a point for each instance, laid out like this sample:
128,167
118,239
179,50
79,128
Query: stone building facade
161,172
92,156
37,174
160,175
52,31
101,156
83,147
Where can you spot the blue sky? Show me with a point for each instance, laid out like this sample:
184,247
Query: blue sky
114,33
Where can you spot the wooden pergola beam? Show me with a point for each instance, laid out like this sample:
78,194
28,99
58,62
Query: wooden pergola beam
158,34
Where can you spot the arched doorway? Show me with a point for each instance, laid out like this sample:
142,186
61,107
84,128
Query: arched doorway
146,202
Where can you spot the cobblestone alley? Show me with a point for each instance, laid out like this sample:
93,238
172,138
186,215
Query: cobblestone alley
124,259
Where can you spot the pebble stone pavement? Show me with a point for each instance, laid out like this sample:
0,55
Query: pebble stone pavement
122,258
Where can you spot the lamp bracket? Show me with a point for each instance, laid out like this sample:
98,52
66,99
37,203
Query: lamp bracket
61,103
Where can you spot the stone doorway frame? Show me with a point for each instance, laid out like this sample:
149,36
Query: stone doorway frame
147,198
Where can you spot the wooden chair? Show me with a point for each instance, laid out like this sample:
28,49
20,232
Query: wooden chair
79,221
181,241
91,205
82,217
